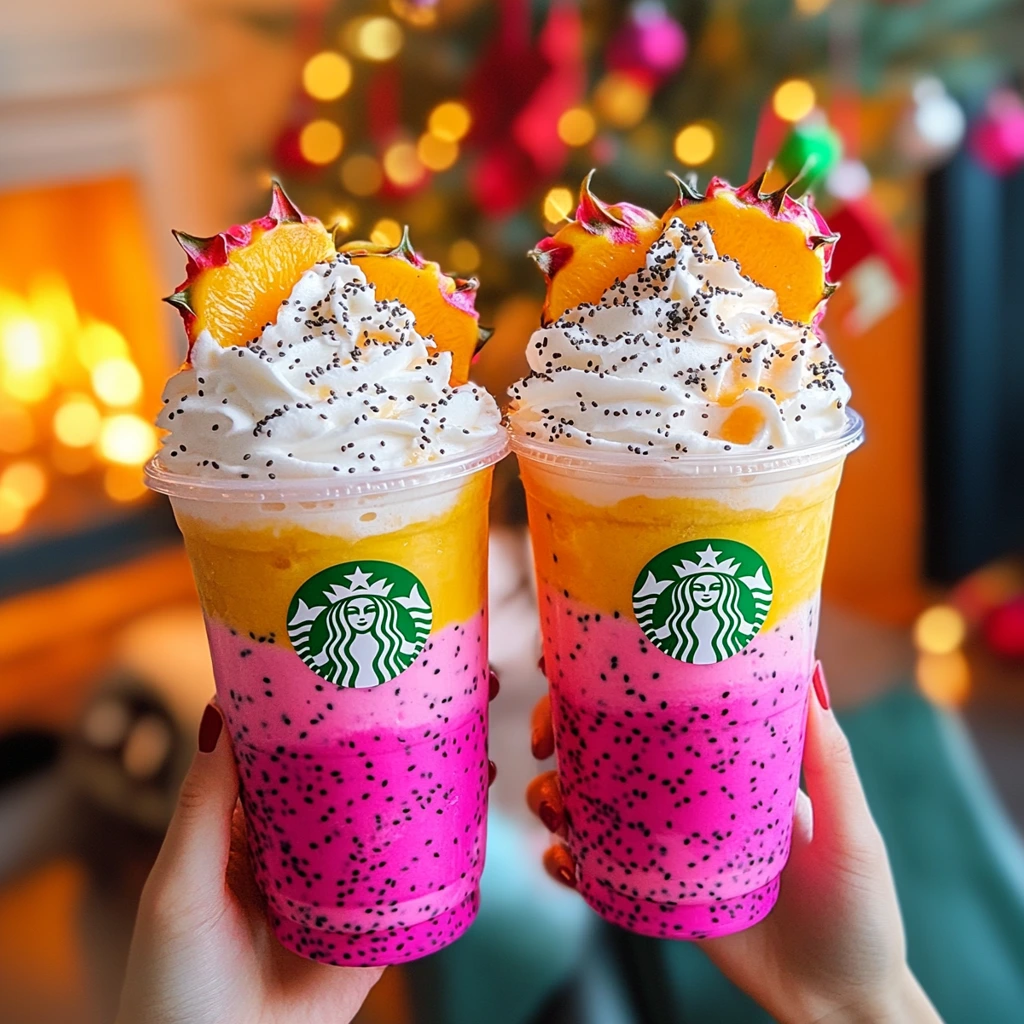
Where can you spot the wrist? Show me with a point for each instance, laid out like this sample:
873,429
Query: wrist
901,1002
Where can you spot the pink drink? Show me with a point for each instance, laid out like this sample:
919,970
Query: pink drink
679,610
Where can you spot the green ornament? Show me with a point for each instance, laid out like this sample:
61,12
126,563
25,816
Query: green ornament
814,146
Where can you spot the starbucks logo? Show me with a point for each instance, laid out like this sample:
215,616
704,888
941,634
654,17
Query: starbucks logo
360,623
703,601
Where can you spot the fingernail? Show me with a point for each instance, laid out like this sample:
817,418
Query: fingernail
821,687
541,666
493,685
551,818
567,877
492,773
209,729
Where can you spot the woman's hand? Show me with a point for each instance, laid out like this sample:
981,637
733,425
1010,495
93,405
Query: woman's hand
832,951
203,952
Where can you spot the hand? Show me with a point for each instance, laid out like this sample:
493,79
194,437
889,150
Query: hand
203,952
832,951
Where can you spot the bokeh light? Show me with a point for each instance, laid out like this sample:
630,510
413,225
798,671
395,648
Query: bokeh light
386,232
76,423
621,100
127,439
99,341
327,75
17,428
695,144
450,121
343,219
361,174
809,8
320,142
419,14
436,153
378,38
939,630
464,256
24,482
402,164
558,204
123,483
945,679
12,514
576,127
794,99
117,382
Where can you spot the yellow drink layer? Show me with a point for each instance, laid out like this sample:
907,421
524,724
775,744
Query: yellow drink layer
595,551
247,575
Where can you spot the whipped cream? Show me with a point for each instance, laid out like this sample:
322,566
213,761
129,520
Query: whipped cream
339,384
685,356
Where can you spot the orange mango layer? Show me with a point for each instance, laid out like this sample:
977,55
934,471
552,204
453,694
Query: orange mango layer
246,577
596,552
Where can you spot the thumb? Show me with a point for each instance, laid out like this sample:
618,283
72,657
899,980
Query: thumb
842,819
190,869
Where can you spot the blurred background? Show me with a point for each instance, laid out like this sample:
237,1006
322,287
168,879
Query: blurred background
473,122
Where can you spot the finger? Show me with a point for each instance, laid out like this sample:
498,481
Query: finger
560,864
492,773
493,685
192,863
803,821
841,813
544,798
542,733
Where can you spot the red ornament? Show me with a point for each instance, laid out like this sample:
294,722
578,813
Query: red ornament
1003,628
997,139
651,45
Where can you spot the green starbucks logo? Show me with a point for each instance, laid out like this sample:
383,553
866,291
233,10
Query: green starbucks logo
703,601
360,623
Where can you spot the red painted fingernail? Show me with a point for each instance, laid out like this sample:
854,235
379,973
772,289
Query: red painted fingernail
493,685
821,687
540,665
492,773
567,877
551,818
210,729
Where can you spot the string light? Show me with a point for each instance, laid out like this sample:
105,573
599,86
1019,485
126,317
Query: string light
621,100
450,121
436,153
402,164
386,232
939,630
320,141
558,204
361,175
576,127
377,39
794,99
76,423
327,76
694,145
464,256
127,439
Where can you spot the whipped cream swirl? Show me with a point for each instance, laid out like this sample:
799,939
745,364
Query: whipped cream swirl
341,383
684,356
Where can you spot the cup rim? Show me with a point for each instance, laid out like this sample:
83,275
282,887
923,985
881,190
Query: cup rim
703,464
308,489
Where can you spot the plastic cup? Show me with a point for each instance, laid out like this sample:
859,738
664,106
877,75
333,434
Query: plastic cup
347,623
679,609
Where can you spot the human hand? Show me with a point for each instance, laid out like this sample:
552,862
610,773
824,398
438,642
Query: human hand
833,950
203,952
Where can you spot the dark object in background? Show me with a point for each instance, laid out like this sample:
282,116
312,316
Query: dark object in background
973,367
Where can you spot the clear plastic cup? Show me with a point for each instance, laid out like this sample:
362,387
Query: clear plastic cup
679,611
347,623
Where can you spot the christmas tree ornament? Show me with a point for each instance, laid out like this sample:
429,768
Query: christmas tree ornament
650,45
1003,628
812,147
997,138
932,127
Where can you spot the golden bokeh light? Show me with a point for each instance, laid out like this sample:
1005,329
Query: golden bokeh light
794,99
420,15
320,142
127,439
464,256
24,482
945,679
123,483
558,204
343,219
402,164
386,232
327,76
621,100
450,121
117,382
21,344
28,386
435,153
694,145
12,514
939,630
576,127
99,341
361,174
76,423
377,38
17,428
809,8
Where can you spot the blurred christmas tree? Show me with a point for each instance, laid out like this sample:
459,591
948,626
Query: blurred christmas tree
473,121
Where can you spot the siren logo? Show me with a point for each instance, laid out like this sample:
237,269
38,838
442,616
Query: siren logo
360,623
703,601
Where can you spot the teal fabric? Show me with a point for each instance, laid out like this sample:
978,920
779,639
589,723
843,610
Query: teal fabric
958,863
